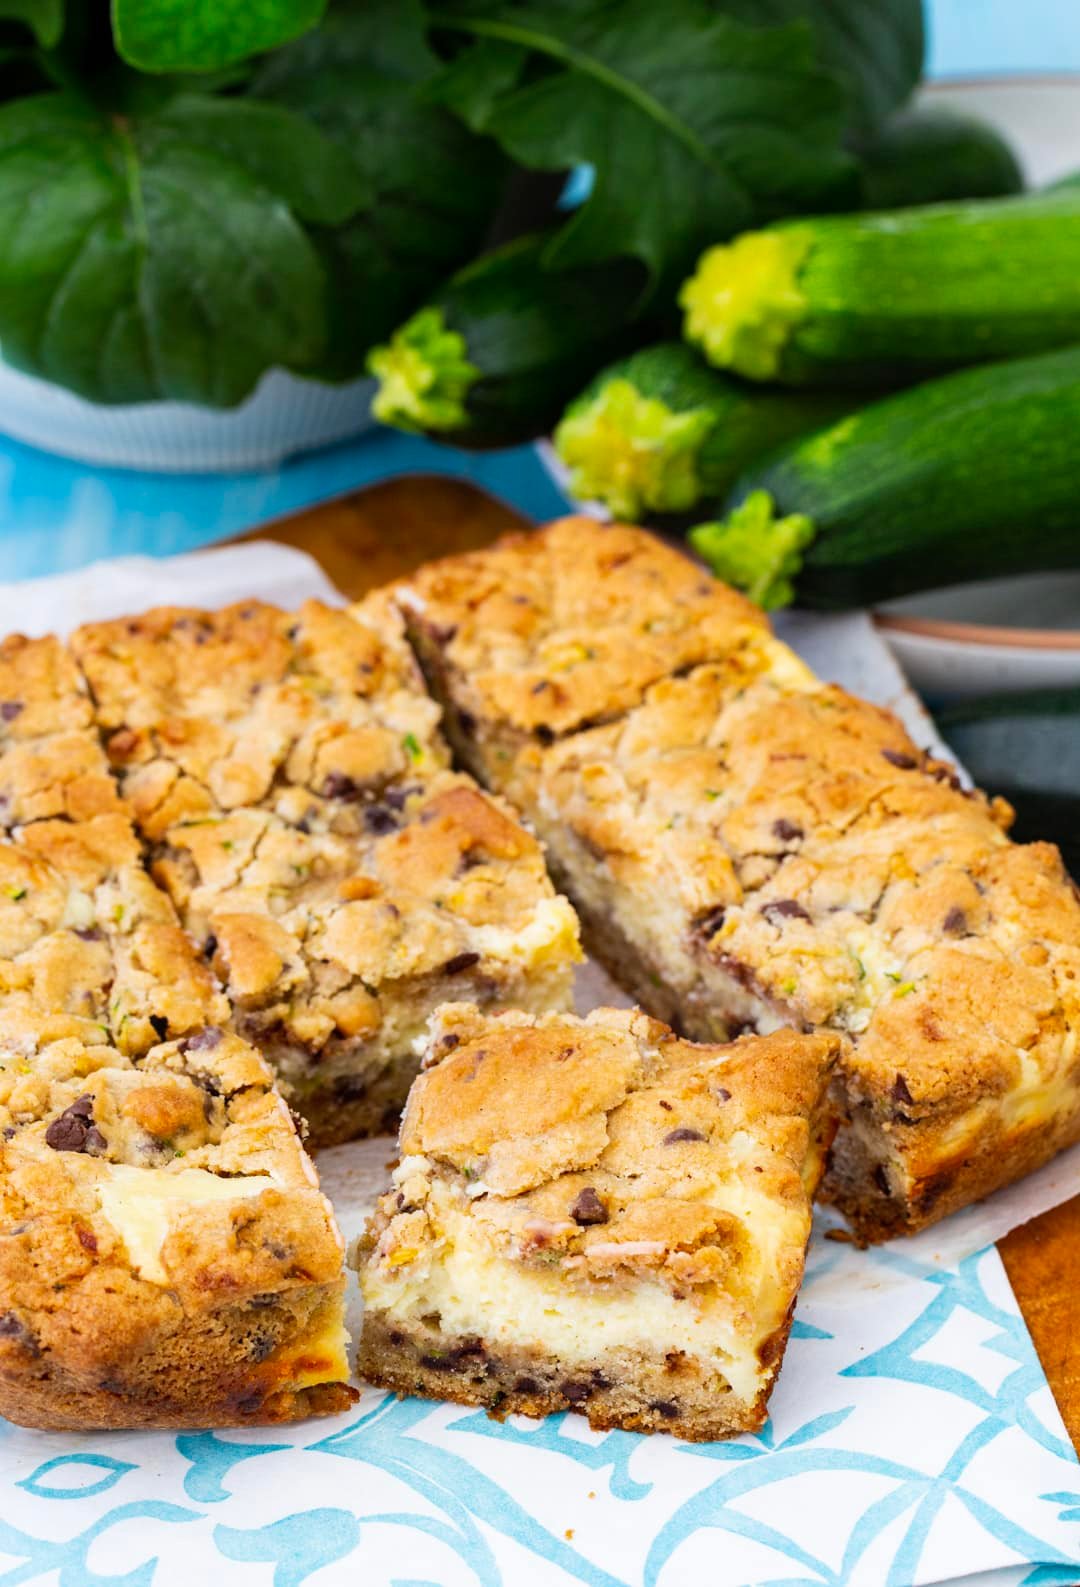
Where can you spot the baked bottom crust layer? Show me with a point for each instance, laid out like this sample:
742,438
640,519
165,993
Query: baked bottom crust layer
205,1374
749,847
630,1389
593,1214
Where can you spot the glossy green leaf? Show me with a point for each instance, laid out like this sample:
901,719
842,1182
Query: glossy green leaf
876,46
361,79
141,262
202,35
696,126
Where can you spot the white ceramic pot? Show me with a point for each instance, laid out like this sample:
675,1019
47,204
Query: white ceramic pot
283,415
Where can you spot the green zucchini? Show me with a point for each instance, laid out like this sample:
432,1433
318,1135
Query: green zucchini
492,358
1027,747
973,475
932,155
661,432
886,298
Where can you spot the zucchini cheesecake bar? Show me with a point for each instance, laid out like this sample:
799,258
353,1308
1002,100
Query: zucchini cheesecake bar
312,715
166,1256
290,781
595,1215
749,848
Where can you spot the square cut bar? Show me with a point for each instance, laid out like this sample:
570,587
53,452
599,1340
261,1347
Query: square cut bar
311,715
166,1257
289,777
749,847
334,949
595,1215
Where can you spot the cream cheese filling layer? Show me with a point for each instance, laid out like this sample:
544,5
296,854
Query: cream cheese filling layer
139,1203
476,1291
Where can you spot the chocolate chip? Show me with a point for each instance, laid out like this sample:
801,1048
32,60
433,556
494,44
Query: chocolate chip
545,734
708,923
666,1408
881,1180
160,1026
210,946
683,1133
379,820
469,1347
896,757
249,1405
438,1363
448,1042
203,1040
900,1090
955,922
538,688
96,1144
13,1327
665,1105
942,773
588,1208
576,1393
337,786
787,831
784,909
722,1094
10,709
70,1130
460,962
89,933
397,798
526,1386
87,1239
350,1088
260,1346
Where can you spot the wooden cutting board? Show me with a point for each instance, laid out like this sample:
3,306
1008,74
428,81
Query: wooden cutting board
383,532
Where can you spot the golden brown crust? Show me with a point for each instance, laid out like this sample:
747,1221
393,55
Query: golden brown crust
51,759
628,1164
747,845
543,633
310,713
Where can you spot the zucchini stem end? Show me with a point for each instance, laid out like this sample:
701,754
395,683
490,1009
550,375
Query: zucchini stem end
743,301
634,453
424,375
756,549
